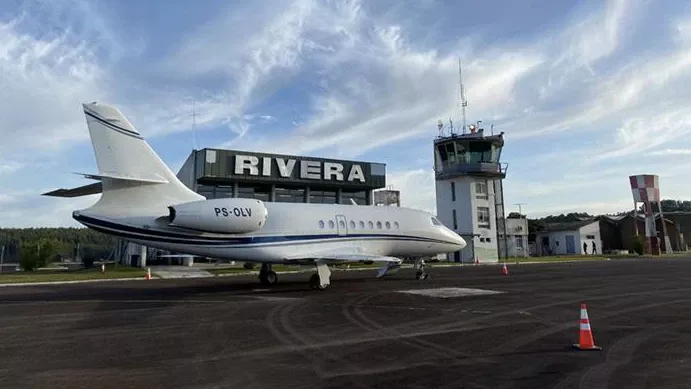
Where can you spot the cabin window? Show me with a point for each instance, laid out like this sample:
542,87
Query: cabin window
321,224
362,225
395,224
379,225
388,225
371,225
331,224
352,224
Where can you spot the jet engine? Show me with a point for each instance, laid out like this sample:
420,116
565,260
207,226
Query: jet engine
227,215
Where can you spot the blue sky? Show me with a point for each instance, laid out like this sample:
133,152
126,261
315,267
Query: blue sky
587,92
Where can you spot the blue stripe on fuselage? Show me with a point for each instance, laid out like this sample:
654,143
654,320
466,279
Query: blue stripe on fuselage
155,235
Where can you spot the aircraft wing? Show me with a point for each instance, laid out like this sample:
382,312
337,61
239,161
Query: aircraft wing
344,256
390,265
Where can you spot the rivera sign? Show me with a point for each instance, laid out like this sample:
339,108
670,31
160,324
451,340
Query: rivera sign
310,170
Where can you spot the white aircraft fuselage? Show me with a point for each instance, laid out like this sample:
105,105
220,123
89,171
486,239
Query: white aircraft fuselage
144,202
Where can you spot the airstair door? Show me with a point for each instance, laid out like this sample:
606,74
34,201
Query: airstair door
341,225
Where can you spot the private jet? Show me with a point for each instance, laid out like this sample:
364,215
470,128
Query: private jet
142,201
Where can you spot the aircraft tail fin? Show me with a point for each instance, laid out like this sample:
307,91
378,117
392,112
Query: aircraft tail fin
133,176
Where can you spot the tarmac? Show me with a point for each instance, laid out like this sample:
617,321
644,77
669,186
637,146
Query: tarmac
464,327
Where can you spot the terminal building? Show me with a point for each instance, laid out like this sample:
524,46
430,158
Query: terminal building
219,173
469,192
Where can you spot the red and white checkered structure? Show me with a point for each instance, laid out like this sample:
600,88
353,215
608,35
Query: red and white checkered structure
646,189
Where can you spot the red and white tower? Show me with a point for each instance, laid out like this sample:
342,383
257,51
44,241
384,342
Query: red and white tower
646,189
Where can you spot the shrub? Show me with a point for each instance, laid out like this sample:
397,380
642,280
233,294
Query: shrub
637,244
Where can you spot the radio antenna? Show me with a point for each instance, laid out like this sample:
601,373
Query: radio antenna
194,124
464,100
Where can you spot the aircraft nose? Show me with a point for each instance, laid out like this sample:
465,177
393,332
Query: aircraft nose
460,241
456,239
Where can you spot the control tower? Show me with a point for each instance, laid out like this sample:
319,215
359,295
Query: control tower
470,198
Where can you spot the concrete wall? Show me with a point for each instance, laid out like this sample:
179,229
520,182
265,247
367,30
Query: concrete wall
558,240
484,245
517,232
590,234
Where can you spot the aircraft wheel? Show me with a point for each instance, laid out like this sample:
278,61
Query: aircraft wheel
268,278
315,283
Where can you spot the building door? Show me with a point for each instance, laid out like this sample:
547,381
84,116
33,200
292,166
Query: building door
570,244
341,225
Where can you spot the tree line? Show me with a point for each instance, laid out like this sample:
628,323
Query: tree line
37,247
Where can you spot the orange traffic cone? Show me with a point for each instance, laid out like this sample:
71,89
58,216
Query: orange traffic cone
504,270
148,273
585,341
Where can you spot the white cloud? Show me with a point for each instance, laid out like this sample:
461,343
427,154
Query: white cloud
584,103
417,188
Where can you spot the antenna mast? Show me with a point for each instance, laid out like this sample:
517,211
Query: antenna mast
194,124
464,101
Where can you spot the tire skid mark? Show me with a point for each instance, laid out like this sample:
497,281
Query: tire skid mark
360,319
621,354
279,324
511,346
515,343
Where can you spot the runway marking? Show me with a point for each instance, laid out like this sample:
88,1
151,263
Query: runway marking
450,292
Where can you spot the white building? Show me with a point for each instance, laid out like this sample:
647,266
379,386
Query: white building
469,193
568,238
517,237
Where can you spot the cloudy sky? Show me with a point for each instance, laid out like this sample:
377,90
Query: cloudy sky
587,92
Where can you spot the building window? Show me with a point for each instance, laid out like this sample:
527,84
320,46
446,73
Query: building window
483,217
360,197
290,195
481,190
322,197
590,236
519,242
453,191
455,223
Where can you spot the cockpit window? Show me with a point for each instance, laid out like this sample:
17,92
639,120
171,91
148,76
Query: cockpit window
436,221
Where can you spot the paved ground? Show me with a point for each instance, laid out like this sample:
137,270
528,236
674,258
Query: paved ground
227,332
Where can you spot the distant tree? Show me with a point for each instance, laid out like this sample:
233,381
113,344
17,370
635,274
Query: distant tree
37,254
515,215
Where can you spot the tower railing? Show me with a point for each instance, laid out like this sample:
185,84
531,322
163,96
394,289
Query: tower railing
479,168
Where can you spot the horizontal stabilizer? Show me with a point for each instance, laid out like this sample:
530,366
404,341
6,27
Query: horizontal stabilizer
153,179
85,190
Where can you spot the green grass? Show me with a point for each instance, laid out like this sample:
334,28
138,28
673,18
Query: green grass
72,275
559,258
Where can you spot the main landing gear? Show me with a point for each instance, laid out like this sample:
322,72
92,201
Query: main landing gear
267,276
420,274
322,278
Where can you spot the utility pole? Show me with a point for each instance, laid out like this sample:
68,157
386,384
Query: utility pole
520,209
2,256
